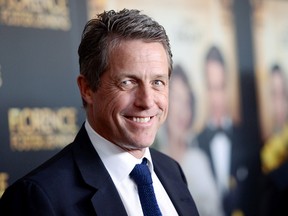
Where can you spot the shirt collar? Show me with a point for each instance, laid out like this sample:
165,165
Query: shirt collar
117,161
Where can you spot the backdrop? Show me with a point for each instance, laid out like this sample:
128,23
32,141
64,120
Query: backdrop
227,123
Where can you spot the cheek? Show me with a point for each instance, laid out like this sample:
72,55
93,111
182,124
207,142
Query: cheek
120,102
104,104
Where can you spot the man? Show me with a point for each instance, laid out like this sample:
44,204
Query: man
230,154
125,65
178,142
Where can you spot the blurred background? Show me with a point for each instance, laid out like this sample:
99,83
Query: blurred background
227,123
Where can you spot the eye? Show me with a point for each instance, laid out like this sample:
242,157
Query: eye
127,84
158,83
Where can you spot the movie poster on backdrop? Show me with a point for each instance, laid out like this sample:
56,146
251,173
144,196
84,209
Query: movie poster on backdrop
39,115
204,92
270,24
37,14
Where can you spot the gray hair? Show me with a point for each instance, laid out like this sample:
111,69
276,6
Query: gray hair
102,34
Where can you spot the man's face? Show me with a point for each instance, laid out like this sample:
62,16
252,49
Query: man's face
132,100
217,91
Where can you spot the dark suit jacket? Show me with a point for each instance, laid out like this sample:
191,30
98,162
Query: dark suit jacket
76,182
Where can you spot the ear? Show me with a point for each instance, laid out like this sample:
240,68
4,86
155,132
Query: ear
85,90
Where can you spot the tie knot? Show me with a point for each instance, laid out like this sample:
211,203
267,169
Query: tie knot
141,174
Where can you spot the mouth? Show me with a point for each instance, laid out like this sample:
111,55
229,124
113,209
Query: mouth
140,119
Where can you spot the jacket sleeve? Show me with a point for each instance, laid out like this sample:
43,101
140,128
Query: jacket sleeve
25,198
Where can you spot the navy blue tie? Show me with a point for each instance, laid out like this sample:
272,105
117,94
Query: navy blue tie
142,177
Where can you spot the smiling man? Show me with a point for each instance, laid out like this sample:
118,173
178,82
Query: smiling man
125,66
132,100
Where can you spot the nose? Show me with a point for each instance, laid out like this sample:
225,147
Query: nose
144,97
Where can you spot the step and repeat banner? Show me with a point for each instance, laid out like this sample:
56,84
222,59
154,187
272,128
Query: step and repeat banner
41,110
39,102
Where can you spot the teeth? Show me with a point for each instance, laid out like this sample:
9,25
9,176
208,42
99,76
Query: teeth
142,120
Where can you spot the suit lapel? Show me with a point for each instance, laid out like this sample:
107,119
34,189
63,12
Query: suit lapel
106,200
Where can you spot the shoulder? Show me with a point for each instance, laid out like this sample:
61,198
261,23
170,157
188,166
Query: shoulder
22,198
34,194
61,166
47,188
47,176
55,170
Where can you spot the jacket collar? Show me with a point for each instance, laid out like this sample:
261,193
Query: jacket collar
106,200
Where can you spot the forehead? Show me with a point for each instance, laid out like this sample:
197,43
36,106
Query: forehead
138,46
138,53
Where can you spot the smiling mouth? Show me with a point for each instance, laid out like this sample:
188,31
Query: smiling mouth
140,119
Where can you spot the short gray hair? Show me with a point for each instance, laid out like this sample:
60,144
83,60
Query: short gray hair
102,34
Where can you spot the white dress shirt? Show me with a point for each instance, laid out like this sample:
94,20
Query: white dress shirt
221,156
119,164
